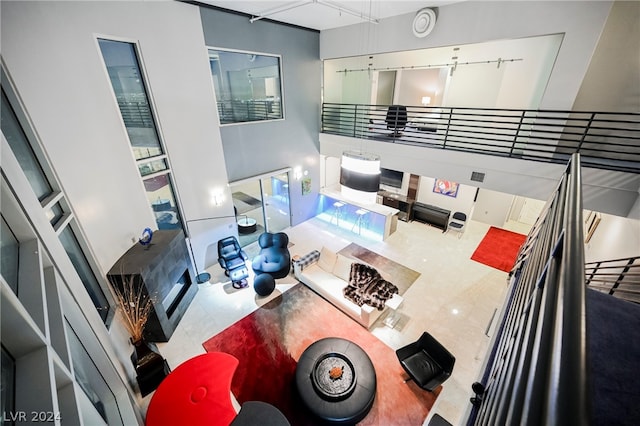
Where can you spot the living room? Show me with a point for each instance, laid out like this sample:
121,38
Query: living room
71,107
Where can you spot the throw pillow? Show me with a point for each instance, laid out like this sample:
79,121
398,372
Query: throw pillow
342,268
327,260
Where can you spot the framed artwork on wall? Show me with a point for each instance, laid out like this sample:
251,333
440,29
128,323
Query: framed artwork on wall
306,186
446,187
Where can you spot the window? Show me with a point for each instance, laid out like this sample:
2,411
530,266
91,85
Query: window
74,251
10,249
23,142
128,85
7,387
23,151
91,380
247,85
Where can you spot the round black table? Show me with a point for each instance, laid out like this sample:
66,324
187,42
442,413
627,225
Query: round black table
247,225
336,361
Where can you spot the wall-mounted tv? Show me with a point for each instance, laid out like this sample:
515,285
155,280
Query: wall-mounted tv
391,177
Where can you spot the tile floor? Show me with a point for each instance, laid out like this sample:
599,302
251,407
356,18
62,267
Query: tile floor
454,299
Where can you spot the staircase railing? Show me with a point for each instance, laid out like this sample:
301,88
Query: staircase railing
606,140
535,372
618,277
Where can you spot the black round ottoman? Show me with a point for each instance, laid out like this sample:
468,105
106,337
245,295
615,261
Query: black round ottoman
264,284
336,380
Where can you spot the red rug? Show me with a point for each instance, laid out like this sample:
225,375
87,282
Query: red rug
270,341
499,248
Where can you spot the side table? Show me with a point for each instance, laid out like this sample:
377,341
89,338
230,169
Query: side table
393,304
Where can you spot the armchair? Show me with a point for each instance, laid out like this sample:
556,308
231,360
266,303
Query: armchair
426,362
232,259
274,258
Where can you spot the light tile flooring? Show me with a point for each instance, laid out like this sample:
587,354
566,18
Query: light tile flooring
454,299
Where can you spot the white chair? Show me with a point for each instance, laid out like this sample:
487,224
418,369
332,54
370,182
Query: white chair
458,221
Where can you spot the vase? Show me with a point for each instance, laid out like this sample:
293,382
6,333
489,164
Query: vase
145,355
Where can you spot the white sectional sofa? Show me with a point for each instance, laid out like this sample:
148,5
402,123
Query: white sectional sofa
327,273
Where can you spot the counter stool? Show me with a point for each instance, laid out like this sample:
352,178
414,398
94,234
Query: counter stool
337,212
362,213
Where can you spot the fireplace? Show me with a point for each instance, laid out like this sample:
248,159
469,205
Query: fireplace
164,271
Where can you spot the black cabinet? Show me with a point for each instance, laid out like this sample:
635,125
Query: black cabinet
399,202
164,271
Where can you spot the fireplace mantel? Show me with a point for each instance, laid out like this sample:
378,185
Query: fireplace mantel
164,270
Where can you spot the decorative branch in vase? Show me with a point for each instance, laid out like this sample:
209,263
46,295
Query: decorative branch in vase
136,307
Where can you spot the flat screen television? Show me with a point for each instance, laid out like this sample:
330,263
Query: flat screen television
391,177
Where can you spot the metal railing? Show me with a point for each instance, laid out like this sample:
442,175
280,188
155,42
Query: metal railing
239,111
606,140
535,372
618,277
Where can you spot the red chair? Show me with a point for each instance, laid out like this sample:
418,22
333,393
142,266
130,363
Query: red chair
197,392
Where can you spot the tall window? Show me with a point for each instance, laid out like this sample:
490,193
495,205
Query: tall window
24,146
8,387
10,249
247,86
128,85
91,380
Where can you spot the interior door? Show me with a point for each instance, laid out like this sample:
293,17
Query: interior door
276,202
264,200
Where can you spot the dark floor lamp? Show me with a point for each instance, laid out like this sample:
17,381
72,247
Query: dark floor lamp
203,277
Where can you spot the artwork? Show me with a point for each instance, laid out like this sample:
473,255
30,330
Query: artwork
592,219
446,187
306,186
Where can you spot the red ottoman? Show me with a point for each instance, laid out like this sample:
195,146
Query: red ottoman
197,392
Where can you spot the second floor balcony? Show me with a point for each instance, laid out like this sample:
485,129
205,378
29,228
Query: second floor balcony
605,140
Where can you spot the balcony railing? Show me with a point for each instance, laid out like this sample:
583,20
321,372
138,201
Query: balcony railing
535,372
605,140
618,277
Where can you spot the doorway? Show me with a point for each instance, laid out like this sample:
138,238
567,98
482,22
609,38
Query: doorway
261,204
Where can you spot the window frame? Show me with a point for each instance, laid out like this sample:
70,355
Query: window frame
156,122
249,52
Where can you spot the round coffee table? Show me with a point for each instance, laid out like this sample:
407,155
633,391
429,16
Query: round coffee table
336,380
247,225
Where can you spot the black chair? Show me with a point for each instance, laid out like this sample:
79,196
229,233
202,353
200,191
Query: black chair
426,362
274,258
458,221
232,259
396,119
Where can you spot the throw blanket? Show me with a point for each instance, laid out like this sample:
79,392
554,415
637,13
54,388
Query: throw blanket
366,286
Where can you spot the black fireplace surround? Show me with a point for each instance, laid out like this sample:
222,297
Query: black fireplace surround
164,271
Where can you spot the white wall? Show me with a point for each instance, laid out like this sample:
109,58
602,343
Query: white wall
614,238
58,70
581,22
603,191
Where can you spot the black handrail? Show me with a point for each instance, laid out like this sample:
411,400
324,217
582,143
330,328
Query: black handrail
605,140
535,372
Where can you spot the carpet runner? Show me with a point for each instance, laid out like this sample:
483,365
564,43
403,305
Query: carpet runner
269,342
499,248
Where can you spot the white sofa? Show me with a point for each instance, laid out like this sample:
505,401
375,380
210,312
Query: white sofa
327,273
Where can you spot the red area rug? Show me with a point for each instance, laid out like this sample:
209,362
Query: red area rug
270,341
499,248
